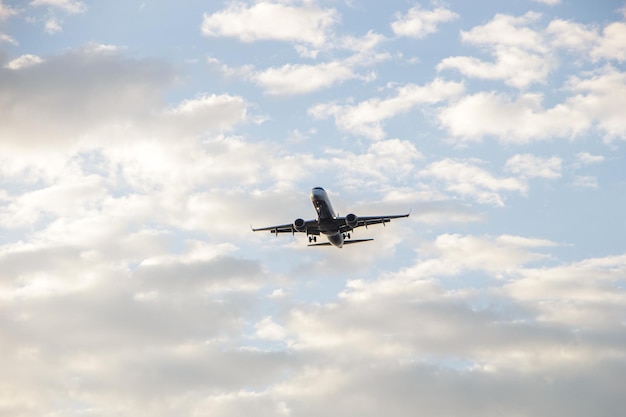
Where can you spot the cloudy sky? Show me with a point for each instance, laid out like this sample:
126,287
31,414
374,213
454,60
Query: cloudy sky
140,139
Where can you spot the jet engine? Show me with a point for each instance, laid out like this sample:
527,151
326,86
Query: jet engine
352,220
299,225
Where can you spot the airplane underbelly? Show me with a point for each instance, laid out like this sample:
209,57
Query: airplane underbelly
328,228
336,239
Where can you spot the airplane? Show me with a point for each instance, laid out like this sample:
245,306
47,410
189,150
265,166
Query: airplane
336,229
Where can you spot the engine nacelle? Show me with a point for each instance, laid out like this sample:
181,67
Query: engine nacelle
299,225
352,220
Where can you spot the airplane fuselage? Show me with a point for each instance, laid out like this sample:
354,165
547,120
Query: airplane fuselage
326,216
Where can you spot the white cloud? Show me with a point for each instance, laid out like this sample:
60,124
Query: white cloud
366,117
529,166
583,294
24,61
68,6
6,11
268,329
585,158
519,121
548,2
53,25
131,284
514,66
449,255
521,55
510,31
207,112
600,97
272,21
365,43
294,79
74,93
612,45
418,23
595,101
585,181
302,78
385,162
96,92
4,38
466,179
571,35
73,197
586,39
524,56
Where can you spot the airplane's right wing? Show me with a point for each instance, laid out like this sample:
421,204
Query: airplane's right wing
345,226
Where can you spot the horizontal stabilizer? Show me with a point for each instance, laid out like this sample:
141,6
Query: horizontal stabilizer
345,242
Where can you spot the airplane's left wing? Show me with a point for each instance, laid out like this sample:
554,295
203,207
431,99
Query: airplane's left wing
310,227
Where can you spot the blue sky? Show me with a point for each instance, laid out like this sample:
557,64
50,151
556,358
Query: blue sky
140,139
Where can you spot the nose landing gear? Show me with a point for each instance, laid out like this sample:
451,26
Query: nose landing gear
312,239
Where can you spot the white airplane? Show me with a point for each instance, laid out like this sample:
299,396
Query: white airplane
337,229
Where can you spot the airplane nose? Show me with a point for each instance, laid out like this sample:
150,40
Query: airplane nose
317,191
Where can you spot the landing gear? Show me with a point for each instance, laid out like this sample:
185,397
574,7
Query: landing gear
312,239
346,235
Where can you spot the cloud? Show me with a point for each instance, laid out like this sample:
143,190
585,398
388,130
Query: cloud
131,284
53,24
68,6
529,166
64,198
79,91
294,79
23,61
386,161
548,2
4,38
583,294
366,117
207,112
7,12
302,78
588,41
524,56
306,24
594,101
419,23
572,36
466,179
585,158
600,96
521,54
612,45
70,102
585,181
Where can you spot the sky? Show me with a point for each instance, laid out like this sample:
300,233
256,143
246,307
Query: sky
139,140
